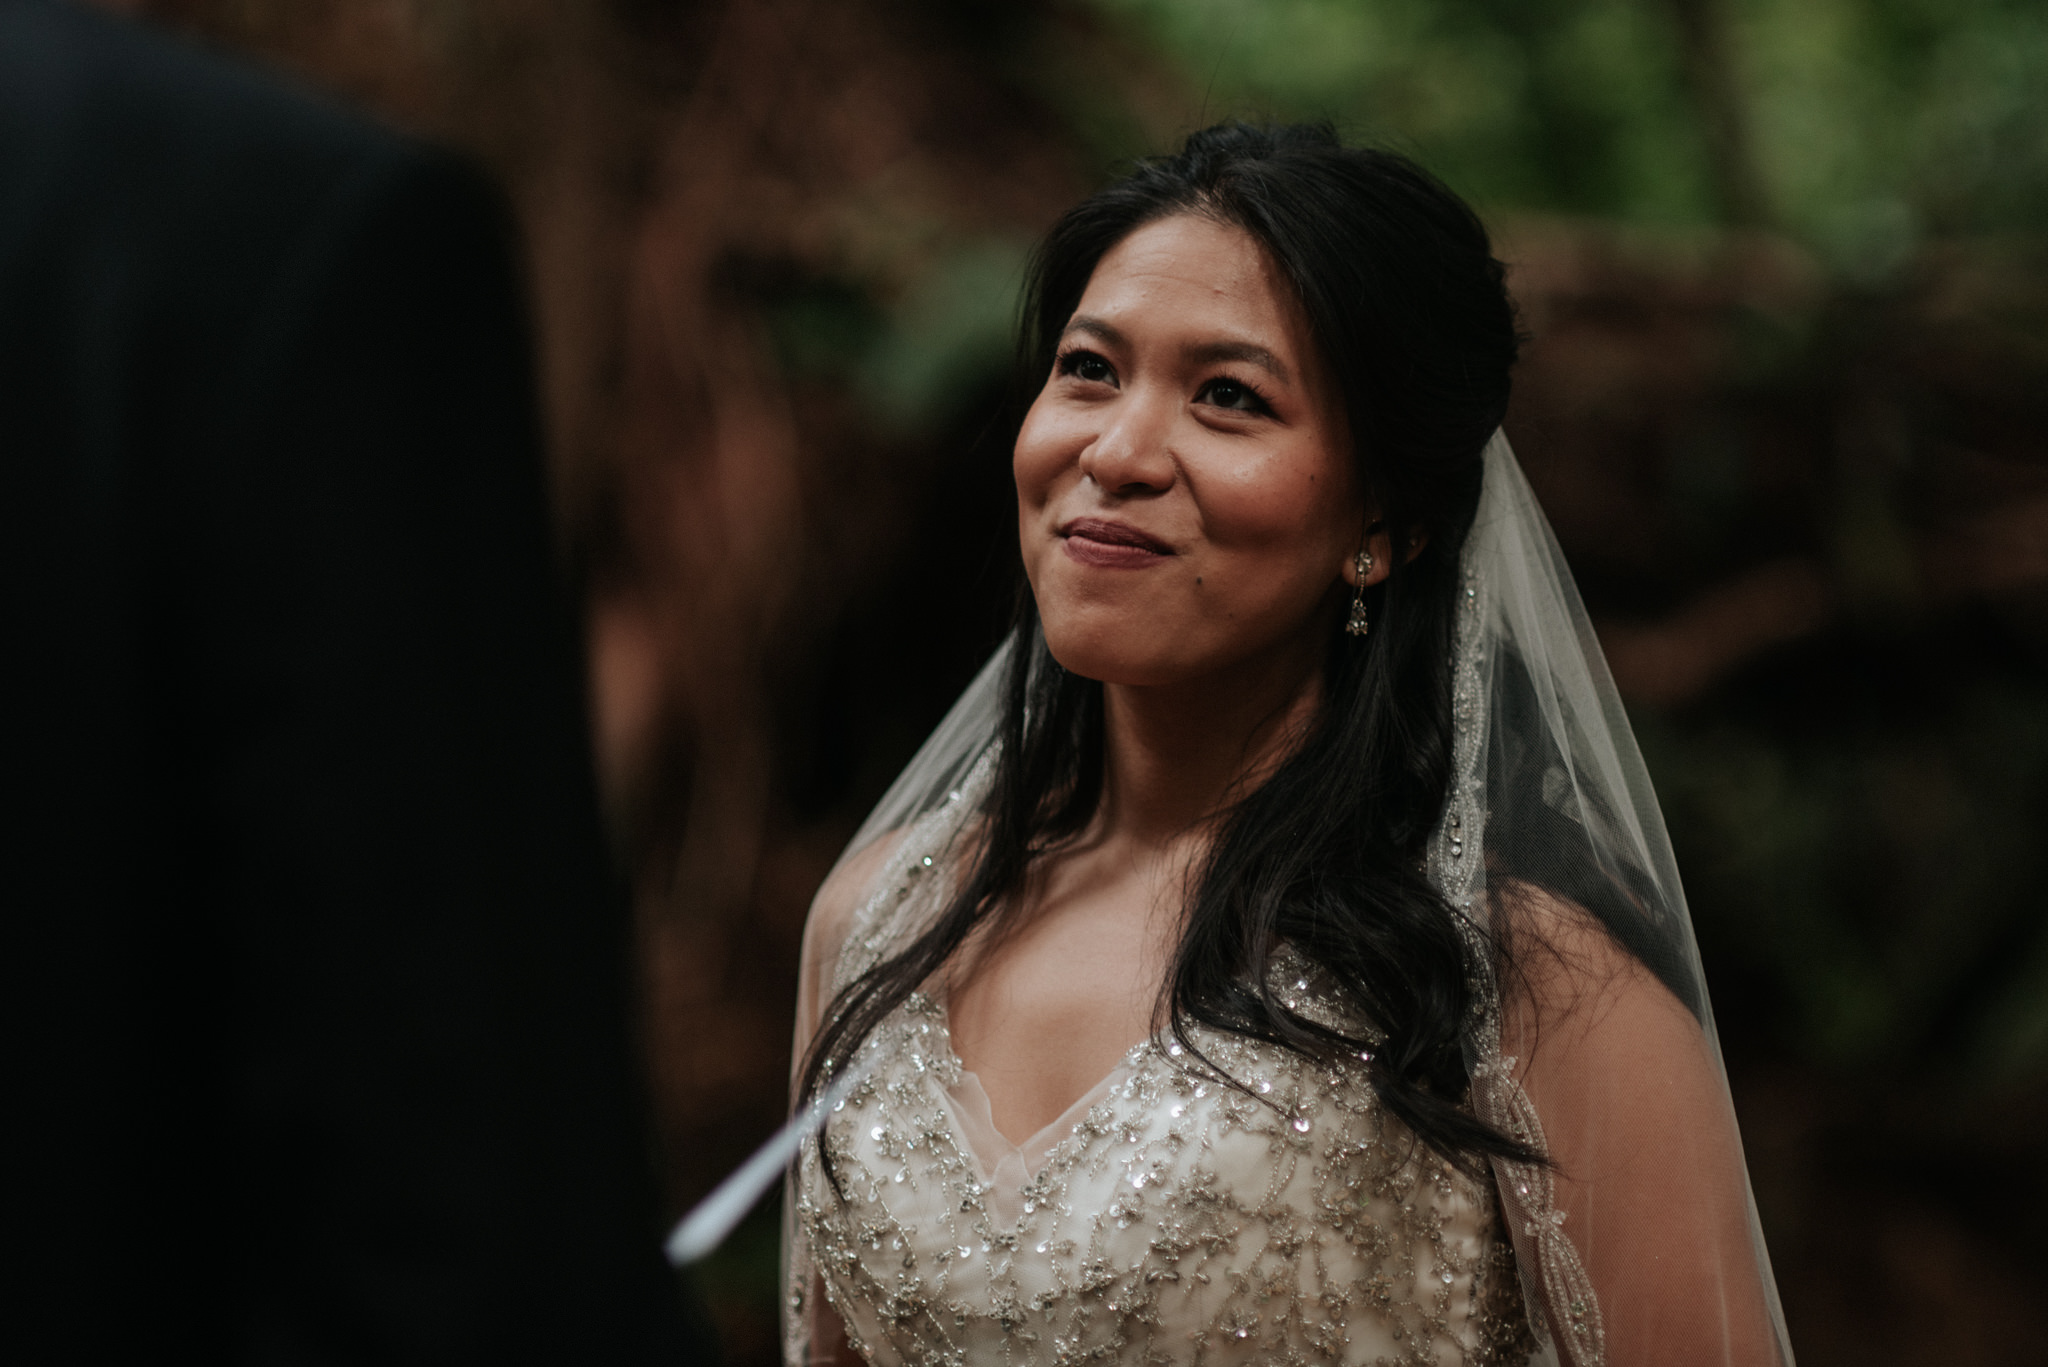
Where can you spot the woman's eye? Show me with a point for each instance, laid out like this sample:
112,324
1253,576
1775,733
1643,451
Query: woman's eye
1232,394
1086,365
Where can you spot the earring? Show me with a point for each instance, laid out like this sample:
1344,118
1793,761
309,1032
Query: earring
1358,626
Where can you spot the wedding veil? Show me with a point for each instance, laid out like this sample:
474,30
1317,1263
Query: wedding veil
1593,1041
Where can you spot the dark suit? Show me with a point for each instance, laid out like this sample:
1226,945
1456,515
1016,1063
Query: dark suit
313,982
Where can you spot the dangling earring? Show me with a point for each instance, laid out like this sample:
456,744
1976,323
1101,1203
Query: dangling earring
1358,626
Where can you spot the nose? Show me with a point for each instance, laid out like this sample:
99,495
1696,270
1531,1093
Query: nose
1132,455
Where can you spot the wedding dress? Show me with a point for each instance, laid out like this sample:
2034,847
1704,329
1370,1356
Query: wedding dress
1172,1217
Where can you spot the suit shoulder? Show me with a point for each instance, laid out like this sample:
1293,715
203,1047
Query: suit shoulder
196,187
101,101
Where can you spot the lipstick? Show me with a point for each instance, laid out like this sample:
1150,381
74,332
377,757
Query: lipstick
1110,545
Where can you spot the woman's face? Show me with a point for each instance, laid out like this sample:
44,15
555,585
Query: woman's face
1186,497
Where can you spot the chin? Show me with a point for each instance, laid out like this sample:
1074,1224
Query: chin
1106,654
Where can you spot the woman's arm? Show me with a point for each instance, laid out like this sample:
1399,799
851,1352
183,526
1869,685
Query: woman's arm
1649,1172
828,1346
825,932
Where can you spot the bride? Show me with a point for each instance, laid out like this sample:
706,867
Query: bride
1277,954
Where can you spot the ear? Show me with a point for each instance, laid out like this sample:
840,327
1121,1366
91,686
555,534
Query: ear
1381,548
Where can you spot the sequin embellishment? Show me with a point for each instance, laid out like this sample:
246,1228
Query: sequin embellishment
1180,1221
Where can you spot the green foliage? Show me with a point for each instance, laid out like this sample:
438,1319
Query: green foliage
1869,122
1881,121
912,362
1577,108
949,335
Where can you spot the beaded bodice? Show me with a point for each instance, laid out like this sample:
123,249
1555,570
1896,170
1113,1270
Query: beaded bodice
1167,1218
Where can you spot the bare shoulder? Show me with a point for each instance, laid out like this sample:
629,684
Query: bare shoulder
831,920
1563,965
1547,934
842,895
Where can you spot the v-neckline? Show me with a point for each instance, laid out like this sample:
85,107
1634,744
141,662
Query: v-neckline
1059,1127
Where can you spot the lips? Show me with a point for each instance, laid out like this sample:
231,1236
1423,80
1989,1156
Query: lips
1111,545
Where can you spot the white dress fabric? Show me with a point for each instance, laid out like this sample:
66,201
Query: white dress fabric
1167,1217
1170,1217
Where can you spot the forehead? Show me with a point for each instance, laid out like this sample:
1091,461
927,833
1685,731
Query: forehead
1194,274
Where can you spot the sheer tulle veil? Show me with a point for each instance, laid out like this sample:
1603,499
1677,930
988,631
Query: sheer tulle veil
1552,844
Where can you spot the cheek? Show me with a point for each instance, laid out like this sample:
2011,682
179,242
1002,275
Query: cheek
1044,449
1292,504
1037,461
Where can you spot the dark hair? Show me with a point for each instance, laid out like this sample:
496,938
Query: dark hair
1403,295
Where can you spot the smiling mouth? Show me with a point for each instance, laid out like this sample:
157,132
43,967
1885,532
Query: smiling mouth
1111,545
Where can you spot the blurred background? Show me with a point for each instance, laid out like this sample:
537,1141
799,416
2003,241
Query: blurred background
1785,268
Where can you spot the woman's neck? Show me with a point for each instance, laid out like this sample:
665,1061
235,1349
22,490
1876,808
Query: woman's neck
1177,755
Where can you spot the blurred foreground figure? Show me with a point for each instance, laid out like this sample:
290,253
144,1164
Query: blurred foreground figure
317,1037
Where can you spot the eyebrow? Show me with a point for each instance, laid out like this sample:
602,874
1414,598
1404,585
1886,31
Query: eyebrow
1251,353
